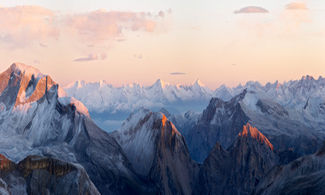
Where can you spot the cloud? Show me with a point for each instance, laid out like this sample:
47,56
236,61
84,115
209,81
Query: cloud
27,25
102,25
285,25
177,73
91,57
251,9
22,25
296,6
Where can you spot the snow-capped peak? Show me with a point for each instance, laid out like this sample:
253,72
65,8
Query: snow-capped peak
23,85
80,83
199,83
102,83
160,83
307,77
26,69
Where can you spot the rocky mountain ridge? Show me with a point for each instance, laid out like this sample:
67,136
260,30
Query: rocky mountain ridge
47,138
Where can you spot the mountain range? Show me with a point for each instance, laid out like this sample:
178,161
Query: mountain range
106,101
255,140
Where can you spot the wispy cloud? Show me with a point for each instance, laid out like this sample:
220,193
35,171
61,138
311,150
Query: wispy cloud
296,6
91,57
251,9
287,25
102,25
177,73
25,25
22,25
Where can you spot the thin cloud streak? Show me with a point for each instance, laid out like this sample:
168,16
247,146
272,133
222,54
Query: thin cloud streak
296,6
91,57
251,9
177,73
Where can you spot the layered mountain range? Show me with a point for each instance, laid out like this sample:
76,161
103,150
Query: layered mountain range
131,97
103,99
253,140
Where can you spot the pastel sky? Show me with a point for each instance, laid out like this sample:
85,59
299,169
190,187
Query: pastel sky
220,42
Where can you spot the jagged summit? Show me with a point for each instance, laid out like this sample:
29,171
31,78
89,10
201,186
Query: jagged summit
199,83
140,133
145,117
80,83
156,150
130,97
237,169
160,83
23,84
307,77
25,69
253,132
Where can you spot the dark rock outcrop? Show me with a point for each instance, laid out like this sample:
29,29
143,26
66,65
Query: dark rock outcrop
306,175
239,169
43,175
220,122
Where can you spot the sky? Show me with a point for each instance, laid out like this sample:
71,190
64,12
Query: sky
219,42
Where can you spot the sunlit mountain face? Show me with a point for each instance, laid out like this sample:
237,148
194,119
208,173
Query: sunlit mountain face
162,97
230,146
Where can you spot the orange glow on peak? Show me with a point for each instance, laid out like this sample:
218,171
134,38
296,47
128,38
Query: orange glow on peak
253,132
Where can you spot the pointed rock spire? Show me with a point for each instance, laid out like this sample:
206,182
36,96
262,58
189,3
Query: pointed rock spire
250,131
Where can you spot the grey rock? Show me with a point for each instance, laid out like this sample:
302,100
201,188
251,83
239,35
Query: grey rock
42,175
165,160
40,121
305,175
222,121
238,169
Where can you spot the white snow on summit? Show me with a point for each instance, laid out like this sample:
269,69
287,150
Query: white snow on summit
101,96
304,98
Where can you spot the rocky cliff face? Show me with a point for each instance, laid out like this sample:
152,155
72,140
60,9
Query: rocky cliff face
221,122
157,151
54,146
43,175
37,119
238,169
305,175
